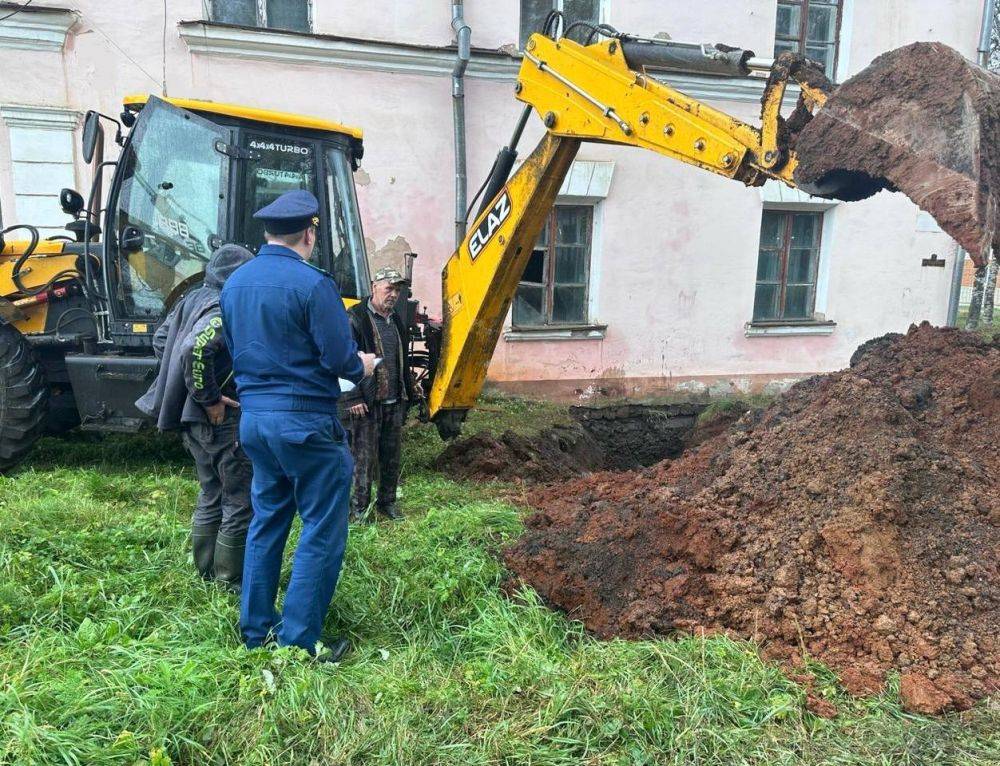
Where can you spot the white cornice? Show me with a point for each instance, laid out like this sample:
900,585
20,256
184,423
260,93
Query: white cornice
40,29
283,47
47,117
269,45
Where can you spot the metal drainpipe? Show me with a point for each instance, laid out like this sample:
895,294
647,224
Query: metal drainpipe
984,32
989,7
463,35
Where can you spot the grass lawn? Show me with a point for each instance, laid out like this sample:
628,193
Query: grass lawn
113,652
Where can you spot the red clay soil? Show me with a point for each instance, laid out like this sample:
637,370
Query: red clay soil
922,120
857,518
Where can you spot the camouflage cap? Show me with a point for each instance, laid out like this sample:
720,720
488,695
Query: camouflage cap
391,276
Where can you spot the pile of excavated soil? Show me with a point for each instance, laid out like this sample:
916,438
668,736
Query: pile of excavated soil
555,453
856,519
620,437
922,120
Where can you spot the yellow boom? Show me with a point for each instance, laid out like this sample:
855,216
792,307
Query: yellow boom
590,93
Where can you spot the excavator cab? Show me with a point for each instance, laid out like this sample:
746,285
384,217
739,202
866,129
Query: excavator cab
78,311
190,176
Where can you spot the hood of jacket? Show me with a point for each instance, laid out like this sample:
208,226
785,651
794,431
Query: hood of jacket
224,261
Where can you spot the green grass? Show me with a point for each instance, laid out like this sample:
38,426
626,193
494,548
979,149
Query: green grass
113,652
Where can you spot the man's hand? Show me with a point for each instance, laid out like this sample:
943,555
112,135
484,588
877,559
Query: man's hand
359,410
217,412
368,360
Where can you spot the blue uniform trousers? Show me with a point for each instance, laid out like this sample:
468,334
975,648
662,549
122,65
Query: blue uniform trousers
300,462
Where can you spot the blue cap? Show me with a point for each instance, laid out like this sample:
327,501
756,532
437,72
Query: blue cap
291,213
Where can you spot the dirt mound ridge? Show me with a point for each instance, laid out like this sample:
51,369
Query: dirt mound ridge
555,453
858,517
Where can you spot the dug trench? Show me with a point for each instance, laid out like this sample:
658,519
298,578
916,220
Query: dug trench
619,438
856,521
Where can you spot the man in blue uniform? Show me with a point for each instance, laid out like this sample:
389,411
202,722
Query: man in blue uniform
290,340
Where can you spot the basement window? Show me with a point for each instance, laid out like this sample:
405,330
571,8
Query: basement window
809,27
293,15
534,13
553,289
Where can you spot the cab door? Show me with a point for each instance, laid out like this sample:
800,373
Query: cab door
166,216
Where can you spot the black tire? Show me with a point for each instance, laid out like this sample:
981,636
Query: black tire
24,397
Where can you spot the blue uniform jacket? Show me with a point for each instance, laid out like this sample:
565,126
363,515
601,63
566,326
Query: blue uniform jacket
288,334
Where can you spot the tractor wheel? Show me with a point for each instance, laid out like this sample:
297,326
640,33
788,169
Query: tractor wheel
24,397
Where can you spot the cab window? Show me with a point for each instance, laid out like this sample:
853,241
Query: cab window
277,165
347,245
282,164
170,206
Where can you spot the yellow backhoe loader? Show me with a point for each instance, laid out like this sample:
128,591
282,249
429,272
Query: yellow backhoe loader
77,312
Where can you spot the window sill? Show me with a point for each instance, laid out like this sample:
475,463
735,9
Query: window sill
774,329
555,332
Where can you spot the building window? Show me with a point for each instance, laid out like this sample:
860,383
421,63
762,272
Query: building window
41,153
810,27
534,12
553,289
273,14
787,265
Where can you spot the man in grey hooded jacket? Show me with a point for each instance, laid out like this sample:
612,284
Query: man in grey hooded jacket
195,394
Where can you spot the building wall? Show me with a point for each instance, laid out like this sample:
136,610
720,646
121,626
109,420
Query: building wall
675,252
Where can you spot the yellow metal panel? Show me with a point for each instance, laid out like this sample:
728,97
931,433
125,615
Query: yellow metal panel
588,92
46,262
480,279
251,113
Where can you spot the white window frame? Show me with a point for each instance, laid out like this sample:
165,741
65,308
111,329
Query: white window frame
603,13
587,183
42,153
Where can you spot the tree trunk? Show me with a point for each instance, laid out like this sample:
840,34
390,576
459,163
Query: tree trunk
990,291
976,306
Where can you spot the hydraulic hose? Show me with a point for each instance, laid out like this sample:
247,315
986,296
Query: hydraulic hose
15,273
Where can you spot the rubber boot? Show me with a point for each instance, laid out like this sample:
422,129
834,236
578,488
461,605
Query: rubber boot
229,554
203,537
390,511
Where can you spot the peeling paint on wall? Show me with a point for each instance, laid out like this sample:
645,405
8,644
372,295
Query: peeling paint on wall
389,255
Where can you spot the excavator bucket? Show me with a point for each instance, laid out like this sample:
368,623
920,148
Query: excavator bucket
922,120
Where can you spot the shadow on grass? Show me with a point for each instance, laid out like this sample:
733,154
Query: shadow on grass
109,453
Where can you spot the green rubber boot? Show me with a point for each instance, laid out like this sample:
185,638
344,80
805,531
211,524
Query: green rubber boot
203,537
229,553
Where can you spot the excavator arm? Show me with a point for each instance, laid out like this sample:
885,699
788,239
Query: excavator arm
594,93
879,130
